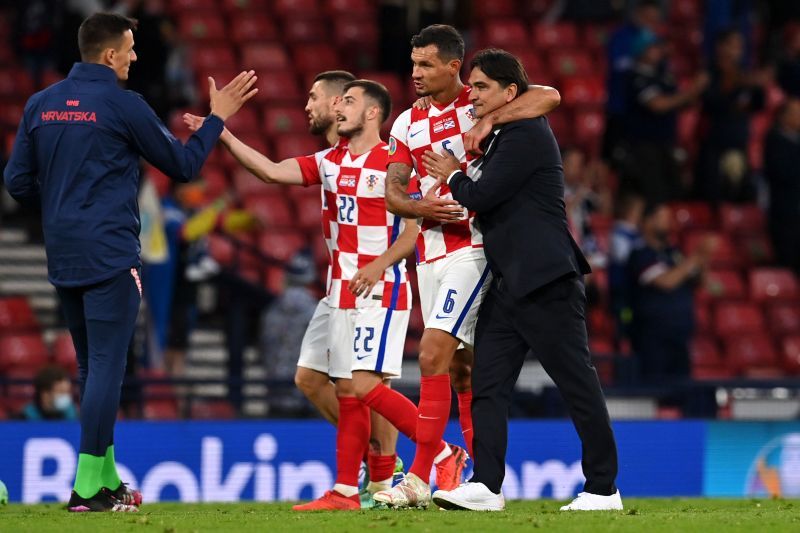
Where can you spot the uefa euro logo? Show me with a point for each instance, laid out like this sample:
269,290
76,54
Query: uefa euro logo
776,469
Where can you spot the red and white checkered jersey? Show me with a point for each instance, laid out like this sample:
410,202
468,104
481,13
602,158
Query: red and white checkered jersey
361,228
437,129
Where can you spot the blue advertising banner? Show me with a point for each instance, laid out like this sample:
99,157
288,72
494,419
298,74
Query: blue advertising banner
752,459
294,460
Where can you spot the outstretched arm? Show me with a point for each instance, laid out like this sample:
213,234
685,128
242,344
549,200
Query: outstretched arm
366,277
538,100
286,172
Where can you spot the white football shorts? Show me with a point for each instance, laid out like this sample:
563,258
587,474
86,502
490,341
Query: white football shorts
371,339
314,349
451,290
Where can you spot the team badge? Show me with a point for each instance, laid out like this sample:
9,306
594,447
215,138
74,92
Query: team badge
471,114
372,181
392,145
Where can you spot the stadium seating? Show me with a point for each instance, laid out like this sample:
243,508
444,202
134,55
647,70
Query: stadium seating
752,355
773,284
279,87
707,362
270,210
264,57
16,315
17,395
281,120
202,26
256,27
692,215
64,353
295,8
583,91
723,285
790,354
309,59
737,318
570,62
281,245
559,35
212,410
308,216
22,351
783,318
306,29
724,254
504,33
739,219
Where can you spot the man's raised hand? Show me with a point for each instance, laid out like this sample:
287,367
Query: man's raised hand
227,101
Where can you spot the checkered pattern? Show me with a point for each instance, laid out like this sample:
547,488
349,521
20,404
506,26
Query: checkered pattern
360,227
437,129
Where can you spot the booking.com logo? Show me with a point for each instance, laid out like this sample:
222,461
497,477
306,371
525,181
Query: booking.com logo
49,467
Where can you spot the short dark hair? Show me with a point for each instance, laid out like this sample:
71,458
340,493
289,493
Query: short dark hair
336,79
47,377
501,66
98,31
377,92
448,41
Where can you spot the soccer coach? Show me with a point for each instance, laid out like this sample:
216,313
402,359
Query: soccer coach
536,300
77,155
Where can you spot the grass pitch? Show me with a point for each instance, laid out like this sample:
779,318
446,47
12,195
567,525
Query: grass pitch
649,515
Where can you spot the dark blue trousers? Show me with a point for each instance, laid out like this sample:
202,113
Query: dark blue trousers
101,319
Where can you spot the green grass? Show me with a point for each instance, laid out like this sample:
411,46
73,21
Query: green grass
640,515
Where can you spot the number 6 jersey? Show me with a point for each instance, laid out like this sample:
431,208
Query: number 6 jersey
361,228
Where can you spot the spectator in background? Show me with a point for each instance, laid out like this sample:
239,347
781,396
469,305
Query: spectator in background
731,97
789,67
585,193
52,396
653,104
662,283
646,16
625,237
782,173
283,326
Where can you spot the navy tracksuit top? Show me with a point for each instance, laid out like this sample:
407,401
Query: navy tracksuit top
77,152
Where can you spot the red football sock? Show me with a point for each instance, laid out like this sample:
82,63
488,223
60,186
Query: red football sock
394,407
352,439
434,410
381,467
465,418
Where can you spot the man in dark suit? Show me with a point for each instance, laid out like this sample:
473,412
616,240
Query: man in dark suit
536,300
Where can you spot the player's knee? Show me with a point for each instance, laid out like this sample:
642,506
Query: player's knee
344,387
363,384
306,385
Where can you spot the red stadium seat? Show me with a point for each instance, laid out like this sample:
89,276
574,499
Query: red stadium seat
565,63
245,8
724,255
281,245
209,56
245,121
495,8
23,351
221,249
790,354
357,37
202,26
756,249
692,215
723,285
313,58
702,317
589,128
256,27
559,35
296,7
215,180
160,410
561,125
600,323
742,218
504,33
308,213
752,355
349,7
64,353
773,284
396,87
783,318
738,319
15,83
246,185
188,6
707,362
685,11
212,410
595,36
287,146
532,62
583,91
305,29
271,211
264,57
16,315
279,87
253,139
320,251
281,120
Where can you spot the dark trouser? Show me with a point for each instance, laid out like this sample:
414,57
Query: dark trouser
101,319
550,322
